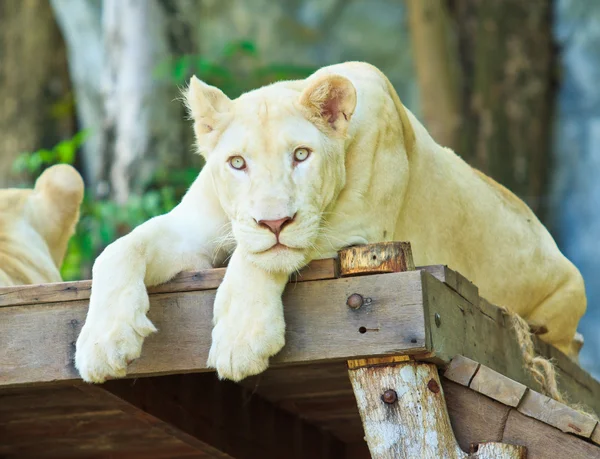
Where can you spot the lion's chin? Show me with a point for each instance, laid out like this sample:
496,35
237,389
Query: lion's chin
279,258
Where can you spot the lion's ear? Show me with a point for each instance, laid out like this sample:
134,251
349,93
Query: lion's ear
206,104
330,101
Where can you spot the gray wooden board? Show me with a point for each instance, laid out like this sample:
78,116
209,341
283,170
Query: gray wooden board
186,281
37,341
475,418
482,334
544,441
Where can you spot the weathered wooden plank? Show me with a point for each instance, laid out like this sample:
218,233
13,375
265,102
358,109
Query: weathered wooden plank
227,416
499,387
474,417
383,257
456,281
86,421
37,341
556,414
401,406
574,381
403,410
461,328
544,441
572,378
461,370
596,434
371,361
483,334
188,281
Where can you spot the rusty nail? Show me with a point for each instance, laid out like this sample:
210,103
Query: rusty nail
355,301
438,319
433,386
389,396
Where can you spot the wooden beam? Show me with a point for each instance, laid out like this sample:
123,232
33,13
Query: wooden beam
404,414
405,313
544,441
37,341
86,421
461,323
227,416
383,257
188,281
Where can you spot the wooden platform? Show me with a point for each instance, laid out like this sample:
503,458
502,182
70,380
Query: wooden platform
303,406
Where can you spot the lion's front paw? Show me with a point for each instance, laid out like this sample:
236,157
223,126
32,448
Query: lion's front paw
111,338
245,336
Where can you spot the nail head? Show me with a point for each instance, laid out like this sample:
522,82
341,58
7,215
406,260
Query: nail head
355,301
389,396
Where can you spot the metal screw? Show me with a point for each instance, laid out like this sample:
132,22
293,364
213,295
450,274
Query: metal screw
389,396
355,301
438,319
433,386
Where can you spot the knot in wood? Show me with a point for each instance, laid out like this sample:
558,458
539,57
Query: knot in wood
389,396
355,301
433,386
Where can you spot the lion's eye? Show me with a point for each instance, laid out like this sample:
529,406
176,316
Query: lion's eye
300,154
237,162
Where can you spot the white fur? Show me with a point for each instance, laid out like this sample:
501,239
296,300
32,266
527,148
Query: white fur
374,175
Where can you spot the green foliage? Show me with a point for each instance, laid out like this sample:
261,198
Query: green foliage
238,69
63,153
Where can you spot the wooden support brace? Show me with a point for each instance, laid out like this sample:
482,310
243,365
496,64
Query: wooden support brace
404,413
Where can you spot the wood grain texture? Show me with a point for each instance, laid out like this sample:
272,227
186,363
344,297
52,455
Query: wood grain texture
37,341
456,281
596,434
497,450
466,330
406,428
499,387
556,414
371,361
233,419
85,421
414,422
544,441
383,257
187,281
474,417
461,370
482,333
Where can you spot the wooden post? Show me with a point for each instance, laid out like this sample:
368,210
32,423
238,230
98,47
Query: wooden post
401,402
404,414
384,257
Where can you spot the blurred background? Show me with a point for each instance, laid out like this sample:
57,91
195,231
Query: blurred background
511,86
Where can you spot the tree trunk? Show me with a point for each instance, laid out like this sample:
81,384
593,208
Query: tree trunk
36,108
505,85
115,49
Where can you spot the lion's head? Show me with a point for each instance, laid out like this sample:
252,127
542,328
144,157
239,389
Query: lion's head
276,156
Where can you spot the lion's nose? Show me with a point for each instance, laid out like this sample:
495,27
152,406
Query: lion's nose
276,226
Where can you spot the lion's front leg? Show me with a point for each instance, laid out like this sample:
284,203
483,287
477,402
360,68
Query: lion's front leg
249,326
153,253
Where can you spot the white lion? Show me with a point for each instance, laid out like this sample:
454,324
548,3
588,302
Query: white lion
36,225
296,171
